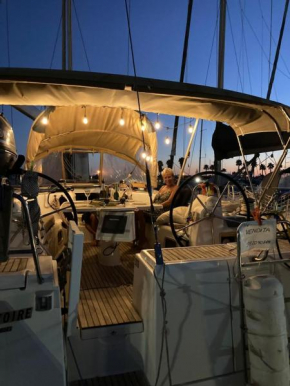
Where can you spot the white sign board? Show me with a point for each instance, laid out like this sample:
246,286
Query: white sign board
254,236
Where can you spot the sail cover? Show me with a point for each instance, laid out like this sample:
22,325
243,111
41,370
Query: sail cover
66,131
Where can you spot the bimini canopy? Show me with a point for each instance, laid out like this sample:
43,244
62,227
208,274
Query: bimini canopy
244,113
65,131
252,144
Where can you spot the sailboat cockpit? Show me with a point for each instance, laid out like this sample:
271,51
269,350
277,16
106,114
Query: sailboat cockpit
198,305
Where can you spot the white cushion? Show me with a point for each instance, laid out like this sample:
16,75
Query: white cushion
179,216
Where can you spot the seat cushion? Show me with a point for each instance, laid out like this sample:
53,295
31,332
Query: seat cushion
179,216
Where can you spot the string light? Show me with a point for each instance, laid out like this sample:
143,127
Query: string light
122,120
167,141
157,123
44,121
85,119
144,155
148,158
190,129
143,123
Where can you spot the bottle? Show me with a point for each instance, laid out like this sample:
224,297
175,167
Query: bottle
116,194
103,190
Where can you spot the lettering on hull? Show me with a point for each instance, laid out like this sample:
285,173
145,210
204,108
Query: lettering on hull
15,316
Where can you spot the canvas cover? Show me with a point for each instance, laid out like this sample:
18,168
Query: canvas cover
65,131
244,113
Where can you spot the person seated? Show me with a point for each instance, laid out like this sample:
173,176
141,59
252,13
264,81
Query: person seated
164,197
167,191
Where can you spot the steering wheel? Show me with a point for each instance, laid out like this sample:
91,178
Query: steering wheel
63,190
207,183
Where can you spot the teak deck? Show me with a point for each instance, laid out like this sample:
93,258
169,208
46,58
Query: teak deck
106,292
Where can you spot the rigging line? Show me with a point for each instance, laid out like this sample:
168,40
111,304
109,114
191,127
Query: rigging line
8,48
261,77
128,54
55,43
211,48
272,37
7,33
278,49
217,41
264,53
241,56
134,69
246,51
181,79
270,47
82,38
235,51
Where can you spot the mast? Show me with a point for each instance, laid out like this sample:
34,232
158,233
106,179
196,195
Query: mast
184,57
278,50
63,35
222,37
69,35
221,55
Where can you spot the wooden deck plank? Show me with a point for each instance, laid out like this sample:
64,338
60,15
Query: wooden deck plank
87,313
93,306
127,304
125,308
102,306
81,314
107,306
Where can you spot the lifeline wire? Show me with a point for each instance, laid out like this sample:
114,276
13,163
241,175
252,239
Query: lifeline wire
162,292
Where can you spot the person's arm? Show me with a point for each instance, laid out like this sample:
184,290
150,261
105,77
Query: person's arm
166,204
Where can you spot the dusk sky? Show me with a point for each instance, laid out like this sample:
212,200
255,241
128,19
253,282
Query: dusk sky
32,38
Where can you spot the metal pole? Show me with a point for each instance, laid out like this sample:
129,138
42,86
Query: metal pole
242,306
31,236
63,34
222,36
221,56
278,50
200,146
184,57
101,167
246,168
187,150
69,35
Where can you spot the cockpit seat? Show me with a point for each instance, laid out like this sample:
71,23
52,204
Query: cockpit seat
208,231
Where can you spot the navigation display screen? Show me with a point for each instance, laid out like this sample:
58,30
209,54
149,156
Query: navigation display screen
114,224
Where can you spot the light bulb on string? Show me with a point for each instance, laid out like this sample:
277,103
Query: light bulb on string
85,119
157,123
167,141
122,120
143,123
148,158
190,129
144,155
44,120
